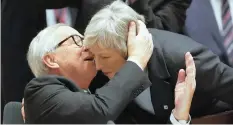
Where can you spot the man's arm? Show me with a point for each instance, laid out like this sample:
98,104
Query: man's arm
164,14
48,100
214,78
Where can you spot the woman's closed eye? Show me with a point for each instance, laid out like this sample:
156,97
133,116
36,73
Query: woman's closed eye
104,57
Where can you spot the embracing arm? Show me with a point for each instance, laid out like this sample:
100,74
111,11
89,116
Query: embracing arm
47,100
52,99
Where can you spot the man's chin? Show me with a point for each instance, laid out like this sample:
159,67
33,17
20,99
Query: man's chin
90,68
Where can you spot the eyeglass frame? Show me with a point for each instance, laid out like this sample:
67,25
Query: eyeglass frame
75,42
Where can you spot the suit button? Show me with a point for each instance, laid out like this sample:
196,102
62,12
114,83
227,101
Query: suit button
165,107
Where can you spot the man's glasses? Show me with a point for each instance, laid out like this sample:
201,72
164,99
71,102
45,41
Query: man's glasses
76,39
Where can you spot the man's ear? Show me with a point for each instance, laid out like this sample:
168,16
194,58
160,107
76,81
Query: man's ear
50,61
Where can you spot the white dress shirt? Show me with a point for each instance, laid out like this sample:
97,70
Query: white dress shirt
217,9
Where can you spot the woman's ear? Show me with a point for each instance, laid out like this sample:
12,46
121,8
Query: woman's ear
50,61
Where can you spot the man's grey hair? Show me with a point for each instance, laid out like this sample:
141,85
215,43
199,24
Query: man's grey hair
45,42
109,27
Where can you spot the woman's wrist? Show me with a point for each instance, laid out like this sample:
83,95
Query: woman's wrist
181,115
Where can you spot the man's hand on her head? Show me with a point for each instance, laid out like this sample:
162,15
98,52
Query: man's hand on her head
140,46
184,90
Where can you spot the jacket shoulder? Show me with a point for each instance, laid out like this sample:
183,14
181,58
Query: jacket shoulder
162,35
47,82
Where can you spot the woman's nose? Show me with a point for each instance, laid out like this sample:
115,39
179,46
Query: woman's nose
98,65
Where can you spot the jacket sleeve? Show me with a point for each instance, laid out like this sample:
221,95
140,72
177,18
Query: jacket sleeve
47,100
163,14
214,78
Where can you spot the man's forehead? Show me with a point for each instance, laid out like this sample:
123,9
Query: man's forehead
66,31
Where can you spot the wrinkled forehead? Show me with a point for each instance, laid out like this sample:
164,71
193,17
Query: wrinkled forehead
52,36
65,31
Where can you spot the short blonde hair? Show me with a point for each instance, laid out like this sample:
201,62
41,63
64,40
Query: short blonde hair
46,41
109,26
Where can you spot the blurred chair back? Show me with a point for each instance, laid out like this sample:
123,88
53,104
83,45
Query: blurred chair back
12,113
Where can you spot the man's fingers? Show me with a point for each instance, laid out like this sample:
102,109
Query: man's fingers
141,27
132,31
152,43
23,113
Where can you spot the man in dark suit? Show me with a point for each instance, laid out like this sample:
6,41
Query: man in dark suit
214,78
22,20
58,51
64,102
210,23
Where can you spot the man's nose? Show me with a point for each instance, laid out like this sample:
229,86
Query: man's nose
85,49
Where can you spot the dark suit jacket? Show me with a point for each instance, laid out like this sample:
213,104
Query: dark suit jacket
201,26
214,79
23,19
54,99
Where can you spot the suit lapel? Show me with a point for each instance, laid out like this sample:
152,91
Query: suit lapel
156,64
161,91
211,21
